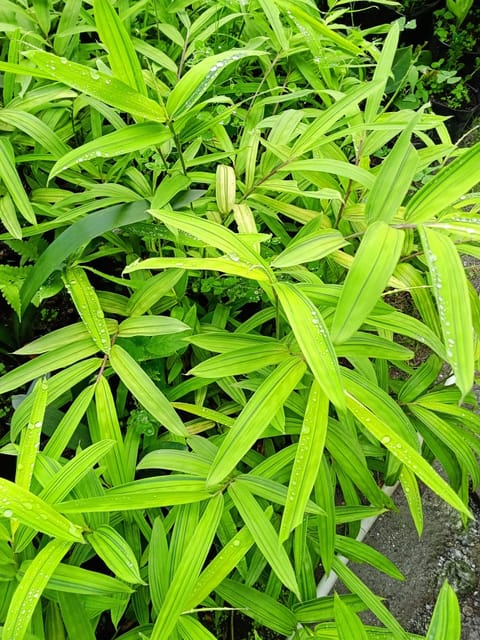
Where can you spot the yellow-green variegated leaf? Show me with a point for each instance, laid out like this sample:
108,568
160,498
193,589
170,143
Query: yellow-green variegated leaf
370,272
225,188
30,440
241,361
451,183
117,554
86,301
312,336
315,247
264,535
121,53
405,453
147,493
12,182
126,140
143,389
188,570
30,510
414,499
382,72
56,359
450,289
256,417
307,460
61,337
93,83
30,588
349,624
230,264
446,622
150,326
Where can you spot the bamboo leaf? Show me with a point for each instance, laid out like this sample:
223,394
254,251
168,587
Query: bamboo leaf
312,336
258,605
307,460
315,247
445,623
33,512
28,592
241,361
12,182
383,71
255,417
93,83
225,188
349,624
74,616
452,182
153,290
61,337
414,499
453,303
142,494
188,570
121,53
135,137
116,553
30,442
88,306
145,391
406,454
47,362
371,270
191,87
264,535
150,326
76,235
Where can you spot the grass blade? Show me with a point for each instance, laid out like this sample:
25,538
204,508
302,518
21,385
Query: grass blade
445,623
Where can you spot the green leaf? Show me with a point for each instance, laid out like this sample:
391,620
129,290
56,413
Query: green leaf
93,83
264,535
371,270
135,137
74,616
414,499
36,129
145,391
75,236
349,624
150,326
116,553
307,460
314,247
394,178
121,53
453,303
255,417
382,72
142,494
12,182
264,609
61,337
28,592
241,361
445,623
361,552
86,301
406,453
191,87
47,362
30,442
453,181
32,511
312,336
188,570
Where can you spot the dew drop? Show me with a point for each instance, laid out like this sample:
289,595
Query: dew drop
8,513
385,440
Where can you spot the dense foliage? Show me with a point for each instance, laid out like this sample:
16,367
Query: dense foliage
263,258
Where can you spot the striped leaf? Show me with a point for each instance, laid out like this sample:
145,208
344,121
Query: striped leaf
445,623
307,460
12,181
315,247
312,336
451,183
241,361
145,390
30,442
450,289
121,53
255,417
88,306
349,624
188,570
225,188
150,326
31,586
264,535
116,553
370,272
